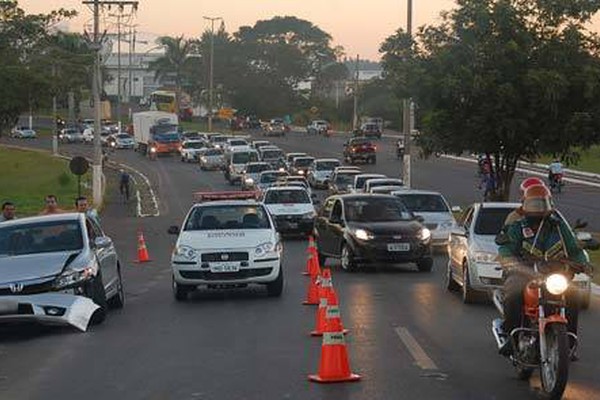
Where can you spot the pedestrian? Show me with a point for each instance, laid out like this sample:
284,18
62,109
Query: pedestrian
82,206
8,211
124,181
51,206
488,184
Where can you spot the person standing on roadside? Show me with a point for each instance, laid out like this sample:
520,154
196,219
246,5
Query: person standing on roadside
51,206
8,211
82,206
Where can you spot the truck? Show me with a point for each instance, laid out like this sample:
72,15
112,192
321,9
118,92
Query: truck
360,149
156,130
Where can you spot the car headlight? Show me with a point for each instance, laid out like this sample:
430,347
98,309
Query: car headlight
185,252
425,234
152,149
557,284
72,277
265,248
484,257
363,234
309,215
300,172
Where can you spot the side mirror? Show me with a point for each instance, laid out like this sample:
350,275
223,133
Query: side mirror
102,242
579,224
456,209
173,230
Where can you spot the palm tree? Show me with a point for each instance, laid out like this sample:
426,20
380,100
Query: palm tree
173,62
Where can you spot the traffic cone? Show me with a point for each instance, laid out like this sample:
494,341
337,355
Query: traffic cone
313,257
334,365
333,319
142,250
312,295
325,294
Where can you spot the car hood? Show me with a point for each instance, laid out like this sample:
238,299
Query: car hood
290,209
410,228
33,266
436,217
226,239
484,243
323,174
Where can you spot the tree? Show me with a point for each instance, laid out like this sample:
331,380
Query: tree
508,78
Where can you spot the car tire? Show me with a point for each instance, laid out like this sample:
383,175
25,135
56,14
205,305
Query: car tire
451,284
180,292
347,259
118,300
468,294
95,291
275,288
425,264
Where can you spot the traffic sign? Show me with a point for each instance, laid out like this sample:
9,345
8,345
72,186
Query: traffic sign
314,110
226,113
79,166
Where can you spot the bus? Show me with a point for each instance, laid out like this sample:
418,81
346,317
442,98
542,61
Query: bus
163,100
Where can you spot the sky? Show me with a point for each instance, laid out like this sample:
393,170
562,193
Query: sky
360,26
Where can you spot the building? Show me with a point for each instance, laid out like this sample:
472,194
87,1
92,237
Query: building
137,72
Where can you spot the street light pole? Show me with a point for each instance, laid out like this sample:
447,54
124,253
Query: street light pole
355,114
97,167
406,119
211,69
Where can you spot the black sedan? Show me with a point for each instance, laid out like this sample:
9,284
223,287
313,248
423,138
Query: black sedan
368,229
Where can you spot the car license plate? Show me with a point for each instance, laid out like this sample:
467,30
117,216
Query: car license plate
489,271
224,267
398,246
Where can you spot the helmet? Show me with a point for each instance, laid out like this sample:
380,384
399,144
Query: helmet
537,201
527,182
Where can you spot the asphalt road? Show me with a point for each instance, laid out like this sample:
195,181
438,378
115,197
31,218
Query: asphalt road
243,345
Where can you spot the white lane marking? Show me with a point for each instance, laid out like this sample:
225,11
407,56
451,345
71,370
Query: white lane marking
152,194
414,348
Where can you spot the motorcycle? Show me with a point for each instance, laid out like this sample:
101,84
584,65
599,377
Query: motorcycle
152,154
556,182
399,150
542,340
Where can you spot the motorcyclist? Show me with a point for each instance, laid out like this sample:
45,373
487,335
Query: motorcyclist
124,180
541,233
555,168
518,213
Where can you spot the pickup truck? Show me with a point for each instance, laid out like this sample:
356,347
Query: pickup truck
360,149
318,127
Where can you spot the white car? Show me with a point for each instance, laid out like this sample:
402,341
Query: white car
292,209
266,179
342,181
88,135
252,172
361,179
257,144
235,143
434,209
190,150
123,141
321,170
23,133
211,158
226,242
386,189
372,183
289,158
235,162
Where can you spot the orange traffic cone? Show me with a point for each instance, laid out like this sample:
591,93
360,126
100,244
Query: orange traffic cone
142,250
325,294
334,365
312,295
313,257
333,319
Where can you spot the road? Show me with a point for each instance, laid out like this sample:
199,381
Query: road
244,345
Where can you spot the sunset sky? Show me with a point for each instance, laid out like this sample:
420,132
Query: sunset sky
358,25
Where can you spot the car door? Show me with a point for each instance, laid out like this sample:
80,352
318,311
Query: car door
336,228
106,256
459,242
322,226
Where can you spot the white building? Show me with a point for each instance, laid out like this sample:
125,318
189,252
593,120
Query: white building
138,71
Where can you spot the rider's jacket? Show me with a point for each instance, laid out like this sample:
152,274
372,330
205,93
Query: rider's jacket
555,168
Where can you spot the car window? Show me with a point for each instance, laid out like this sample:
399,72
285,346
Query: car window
327,165
287,197
424,202
376,209
303,162
490,220
466,218
244,157
225,217
42,237
336,212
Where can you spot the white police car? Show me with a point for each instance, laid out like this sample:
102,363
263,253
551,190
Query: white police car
227,240
292,208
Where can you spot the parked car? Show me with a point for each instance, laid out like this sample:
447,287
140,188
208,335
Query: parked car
432,206
370,230
190,149
321,170
318,127
44,257
360,149
291,208
23,133
211,159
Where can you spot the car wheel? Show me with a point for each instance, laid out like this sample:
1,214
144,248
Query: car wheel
451,284
425,264
468,294
95,291
348,263
118,300
275,288
180,292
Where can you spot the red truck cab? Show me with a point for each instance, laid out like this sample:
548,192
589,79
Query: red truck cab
360,149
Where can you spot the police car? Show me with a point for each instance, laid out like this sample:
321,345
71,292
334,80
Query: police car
292,208
228,239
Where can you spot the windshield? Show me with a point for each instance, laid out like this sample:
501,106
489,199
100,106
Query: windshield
360,182
272,154
424,203
271,177
213,152
222,217
218,139
239,142
303,162
255,168
490,220
327,165
287,197
193,145
376,209
166,137
359,142
344,179
41,237
391,182
244,157
123,136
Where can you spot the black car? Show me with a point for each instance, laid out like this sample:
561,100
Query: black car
363,229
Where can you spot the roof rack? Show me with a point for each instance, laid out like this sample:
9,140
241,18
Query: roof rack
216,196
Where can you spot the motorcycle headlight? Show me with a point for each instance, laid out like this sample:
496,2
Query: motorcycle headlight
185,253
265,248
557,284
70,277
425,234
363,234
152,149
483,257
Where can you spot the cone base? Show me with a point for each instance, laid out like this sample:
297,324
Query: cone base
317,333
306,273
349,378
142,261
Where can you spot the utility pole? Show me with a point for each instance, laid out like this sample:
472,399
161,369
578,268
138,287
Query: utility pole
406,118
355,115
211,69
97,46
130,73
55,131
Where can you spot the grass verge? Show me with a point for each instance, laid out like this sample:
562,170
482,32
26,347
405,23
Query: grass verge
28,176
589,162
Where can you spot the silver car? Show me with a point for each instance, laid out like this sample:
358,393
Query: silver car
51,265
211,158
